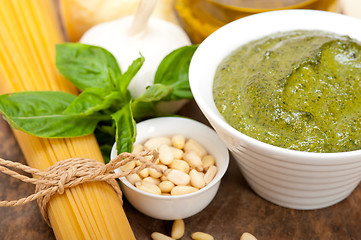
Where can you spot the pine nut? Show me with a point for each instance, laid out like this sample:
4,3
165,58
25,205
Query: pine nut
154,173
177,153
178,229
197,179
180,190
178,177
207,161
186,166
247,236
180,165
210,174
128,166
194,160
165,154
160,236
148,187
137,148
148,158
156,142
144,173
153,180
163,167
192,145
133,178
201,236
166,186
178,141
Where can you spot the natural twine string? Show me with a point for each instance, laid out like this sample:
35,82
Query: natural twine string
73,172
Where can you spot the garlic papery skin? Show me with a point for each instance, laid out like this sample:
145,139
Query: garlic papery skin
154,42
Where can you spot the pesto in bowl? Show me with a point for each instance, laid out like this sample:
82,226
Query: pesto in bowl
299,90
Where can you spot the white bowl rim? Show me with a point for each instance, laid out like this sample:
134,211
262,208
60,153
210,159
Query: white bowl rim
214,181
308,157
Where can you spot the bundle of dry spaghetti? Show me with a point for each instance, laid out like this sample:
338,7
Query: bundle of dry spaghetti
29,31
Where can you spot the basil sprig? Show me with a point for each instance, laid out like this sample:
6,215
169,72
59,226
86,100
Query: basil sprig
105,105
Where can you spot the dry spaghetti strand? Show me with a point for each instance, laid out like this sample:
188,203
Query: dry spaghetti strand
29,31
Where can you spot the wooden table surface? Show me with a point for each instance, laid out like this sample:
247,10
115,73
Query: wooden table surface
234,210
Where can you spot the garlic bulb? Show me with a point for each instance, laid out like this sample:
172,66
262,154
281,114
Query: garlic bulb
127,37
80,15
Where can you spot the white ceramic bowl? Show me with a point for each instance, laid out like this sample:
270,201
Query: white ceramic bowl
294,179
182,206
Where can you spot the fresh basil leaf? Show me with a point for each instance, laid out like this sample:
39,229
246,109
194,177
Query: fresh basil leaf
144,110
125,129
155,92
124,80
87,66
41,114
92,100
173,71
144,105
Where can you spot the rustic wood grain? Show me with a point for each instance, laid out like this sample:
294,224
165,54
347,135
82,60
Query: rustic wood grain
234,210
23,222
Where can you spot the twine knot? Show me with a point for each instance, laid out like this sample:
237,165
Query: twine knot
73,172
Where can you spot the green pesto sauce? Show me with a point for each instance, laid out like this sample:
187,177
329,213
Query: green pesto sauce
299,90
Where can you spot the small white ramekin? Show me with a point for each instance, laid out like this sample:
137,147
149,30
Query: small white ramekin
182,206
294,179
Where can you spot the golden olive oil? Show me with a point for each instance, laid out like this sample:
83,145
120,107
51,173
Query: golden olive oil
202,17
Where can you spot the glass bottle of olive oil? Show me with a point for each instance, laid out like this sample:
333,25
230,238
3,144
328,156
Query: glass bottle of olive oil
202,17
